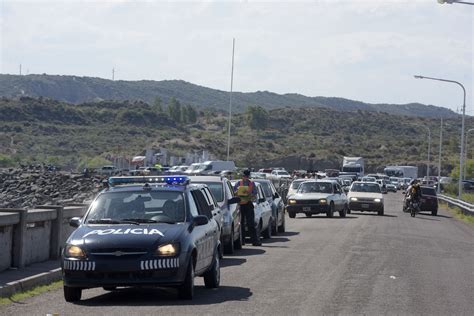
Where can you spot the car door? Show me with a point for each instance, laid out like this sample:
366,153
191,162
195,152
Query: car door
278,204
266,208
234,209
339,201
217,215
204,233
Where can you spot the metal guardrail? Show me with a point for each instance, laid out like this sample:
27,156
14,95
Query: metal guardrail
466,208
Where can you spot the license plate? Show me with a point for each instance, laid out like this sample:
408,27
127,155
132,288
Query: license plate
365,205
306,209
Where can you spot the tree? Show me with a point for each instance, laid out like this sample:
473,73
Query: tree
157,104
174,110
256,116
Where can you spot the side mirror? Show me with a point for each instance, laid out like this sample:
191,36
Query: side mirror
276,196
200,220
234,200
75,222
261,200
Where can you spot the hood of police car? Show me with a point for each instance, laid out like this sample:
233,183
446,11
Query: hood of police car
144,236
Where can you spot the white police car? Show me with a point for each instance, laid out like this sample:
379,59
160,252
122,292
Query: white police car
144,231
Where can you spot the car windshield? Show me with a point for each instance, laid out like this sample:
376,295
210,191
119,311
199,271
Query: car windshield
138,206
368,179
216,188
296,184
428,191
365,187
282,173
315,187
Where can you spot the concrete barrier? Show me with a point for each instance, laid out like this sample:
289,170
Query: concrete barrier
31,236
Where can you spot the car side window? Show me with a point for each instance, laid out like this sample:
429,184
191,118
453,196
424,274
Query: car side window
203,206
230,189
212,201
193,209
209,198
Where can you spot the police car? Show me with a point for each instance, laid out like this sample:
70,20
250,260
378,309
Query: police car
144,231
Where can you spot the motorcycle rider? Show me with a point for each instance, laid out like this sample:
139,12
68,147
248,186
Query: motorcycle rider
247,192
413,192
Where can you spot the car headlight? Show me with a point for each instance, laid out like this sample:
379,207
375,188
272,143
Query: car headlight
291,201
354,199
377,200
73,251
323,201
167,250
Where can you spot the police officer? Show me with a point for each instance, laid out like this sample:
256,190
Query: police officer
247,192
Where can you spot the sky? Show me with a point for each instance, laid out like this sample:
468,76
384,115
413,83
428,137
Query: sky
356,49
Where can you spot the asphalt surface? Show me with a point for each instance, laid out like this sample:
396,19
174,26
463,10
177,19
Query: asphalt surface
363,264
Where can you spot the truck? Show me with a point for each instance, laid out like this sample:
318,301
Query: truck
353,165
401,171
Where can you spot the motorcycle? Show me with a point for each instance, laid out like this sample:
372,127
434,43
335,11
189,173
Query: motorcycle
414,207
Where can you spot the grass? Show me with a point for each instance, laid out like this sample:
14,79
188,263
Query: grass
457,213
36,291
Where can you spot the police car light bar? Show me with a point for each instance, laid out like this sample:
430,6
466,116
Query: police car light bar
171,180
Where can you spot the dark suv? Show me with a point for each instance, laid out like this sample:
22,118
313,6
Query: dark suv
429,200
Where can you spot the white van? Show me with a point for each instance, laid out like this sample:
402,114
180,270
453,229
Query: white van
215,167
193,168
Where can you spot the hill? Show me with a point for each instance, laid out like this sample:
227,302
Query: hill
73,89
71,135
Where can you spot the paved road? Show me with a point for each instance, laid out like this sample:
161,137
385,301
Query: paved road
363,264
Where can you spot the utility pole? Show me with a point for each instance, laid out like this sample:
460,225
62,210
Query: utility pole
20,69
113,74
439,159
230,100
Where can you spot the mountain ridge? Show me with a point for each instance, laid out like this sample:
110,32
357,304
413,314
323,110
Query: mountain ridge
76,89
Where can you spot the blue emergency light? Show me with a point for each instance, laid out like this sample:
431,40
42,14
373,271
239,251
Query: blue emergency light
170,180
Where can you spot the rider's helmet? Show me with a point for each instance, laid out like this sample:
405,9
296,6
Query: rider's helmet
413,182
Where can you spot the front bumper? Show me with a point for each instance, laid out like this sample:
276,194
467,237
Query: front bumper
308,208
119,271
366,206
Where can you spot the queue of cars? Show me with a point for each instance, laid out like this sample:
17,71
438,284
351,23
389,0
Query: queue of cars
162,231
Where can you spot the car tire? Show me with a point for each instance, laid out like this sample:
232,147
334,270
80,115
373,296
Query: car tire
212,277
380,212
186,290
330,212
240,241
275,227
282,227
229,247
434,212
268,232
221,248
343,212
309,214
292,214
72,294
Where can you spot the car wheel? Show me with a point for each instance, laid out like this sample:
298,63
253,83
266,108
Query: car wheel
72,294
275,227
229,247
434,212
292,214
268,232
380,212
240,241
343,212
186,290
282,228
212,277
330,213
221,249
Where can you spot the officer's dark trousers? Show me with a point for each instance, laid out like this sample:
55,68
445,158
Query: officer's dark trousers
248,217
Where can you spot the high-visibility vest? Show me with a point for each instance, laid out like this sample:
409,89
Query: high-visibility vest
245,192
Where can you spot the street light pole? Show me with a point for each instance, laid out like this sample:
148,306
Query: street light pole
439,159
461,156
230,98
429,150
454,1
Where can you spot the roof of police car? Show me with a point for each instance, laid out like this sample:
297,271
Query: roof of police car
152,187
